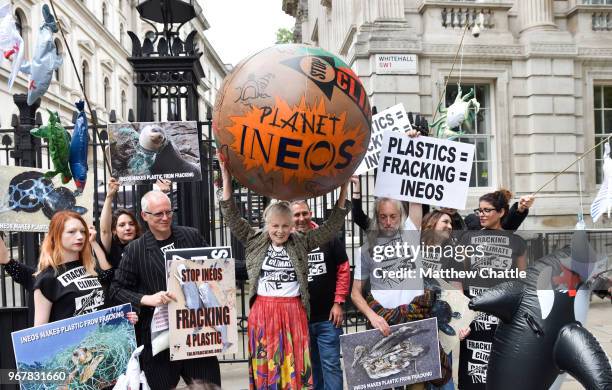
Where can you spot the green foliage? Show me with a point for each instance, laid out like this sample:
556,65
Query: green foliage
284,35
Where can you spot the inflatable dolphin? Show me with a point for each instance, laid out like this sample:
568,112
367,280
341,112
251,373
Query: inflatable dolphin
539,335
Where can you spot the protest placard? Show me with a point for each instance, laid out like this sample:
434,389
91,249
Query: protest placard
393,119
87,352
202,321
29,199
408,355
424,170
142,152
211,252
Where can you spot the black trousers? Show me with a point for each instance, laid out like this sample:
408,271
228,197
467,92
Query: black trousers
163,374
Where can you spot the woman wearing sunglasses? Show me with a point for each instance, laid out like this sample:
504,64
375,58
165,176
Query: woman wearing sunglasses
499,252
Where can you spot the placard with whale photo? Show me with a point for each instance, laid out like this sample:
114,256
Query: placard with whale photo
142,152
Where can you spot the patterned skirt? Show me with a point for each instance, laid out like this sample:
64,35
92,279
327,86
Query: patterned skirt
279,357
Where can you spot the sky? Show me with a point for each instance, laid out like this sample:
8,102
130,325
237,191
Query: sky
239,28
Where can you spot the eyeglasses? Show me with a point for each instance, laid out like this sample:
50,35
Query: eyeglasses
161,214
485,210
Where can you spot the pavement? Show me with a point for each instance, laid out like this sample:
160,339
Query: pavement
234,376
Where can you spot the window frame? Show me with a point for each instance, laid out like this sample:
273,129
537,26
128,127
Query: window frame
489,136
598,137
106,86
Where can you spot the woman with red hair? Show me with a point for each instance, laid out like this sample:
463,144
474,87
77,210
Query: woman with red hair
66,283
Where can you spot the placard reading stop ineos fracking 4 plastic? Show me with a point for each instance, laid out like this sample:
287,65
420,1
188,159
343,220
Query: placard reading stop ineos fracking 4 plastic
394,119
424,170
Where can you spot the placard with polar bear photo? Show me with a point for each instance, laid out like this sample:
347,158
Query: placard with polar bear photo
142,152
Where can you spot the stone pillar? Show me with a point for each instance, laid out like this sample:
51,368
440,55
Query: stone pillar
387,10
536,15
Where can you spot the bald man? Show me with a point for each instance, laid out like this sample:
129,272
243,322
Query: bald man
141,281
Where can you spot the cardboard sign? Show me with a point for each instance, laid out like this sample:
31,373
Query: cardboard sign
142,152
393,118
424,170
210,252
203,320
408,355
29,199
87,352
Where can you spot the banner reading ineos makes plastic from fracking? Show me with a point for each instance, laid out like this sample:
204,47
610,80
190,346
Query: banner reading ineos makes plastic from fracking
408,355
424,170
88,352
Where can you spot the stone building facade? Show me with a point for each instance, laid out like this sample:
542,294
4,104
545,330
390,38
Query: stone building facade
96,31
541,69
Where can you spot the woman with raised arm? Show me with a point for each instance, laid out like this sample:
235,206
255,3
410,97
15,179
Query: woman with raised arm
117,229
66,282
24,274
277,265
499,252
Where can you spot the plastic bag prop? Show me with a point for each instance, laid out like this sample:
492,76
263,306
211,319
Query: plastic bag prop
603,201
538,336
133,377
11,42
45,59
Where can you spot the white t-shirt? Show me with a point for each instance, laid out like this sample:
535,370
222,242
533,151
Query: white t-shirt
277,277
391,293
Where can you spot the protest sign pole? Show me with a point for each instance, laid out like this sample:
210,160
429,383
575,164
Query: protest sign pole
607,139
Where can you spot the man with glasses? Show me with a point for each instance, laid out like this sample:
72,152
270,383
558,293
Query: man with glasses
141,281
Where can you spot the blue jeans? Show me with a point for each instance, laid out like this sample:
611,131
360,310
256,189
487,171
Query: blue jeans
325,355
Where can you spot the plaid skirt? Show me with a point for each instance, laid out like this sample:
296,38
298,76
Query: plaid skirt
279,357
418,309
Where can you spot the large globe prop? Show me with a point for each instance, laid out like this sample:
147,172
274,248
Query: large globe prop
292,121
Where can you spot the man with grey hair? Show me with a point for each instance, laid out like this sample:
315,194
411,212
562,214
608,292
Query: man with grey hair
141,281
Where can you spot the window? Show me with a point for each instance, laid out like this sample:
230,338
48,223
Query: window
481,133
597,2
121,32
123,106
21,25
85,75
58,50
106,93
602,97
104,14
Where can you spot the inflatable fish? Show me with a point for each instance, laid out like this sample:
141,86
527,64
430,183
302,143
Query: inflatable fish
78,149
540,335
45,59
603,201
58,141
11,43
